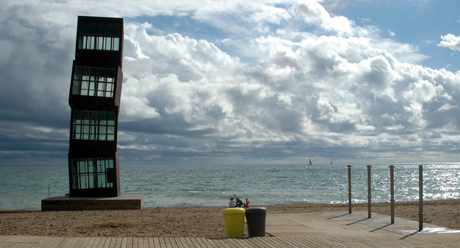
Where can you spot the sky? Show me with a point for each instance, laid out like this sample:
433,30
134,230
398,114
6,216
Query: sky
250,82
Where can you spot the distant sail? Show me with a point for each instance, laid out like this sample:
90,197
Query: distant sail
310,162
331,161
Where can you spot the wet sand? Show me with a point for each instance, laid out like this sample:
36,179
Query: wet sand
191,221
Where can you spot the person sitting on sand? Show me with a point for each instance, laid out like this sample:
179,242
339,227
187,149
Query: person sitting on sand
231,204
239,203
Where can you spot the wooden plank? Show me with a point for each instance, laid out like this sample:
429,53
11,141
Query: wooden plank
49,242
231,243
85,242
162,242
93,241
73,242
31,241
96,242
209,243
150,243
200,242
184,242
292,241
105,242
168,243
189,243
65,242
118,241
222,242
130,243
194,242
156,243
124,242
140,242
176,243
276,241
258,242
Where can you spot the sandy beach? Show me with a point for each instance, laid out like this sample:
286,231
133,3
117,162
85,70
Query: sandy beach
190,221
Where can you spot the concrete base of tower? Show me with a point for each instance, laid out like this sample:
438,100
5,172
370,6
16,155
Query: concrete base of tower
67,203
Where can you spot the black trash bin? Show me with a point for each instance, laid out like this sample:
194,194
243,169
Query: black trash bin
255,218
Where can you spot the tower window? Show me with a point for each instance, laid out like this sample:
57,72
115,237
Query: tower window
93,125
99,36
91,173
93,81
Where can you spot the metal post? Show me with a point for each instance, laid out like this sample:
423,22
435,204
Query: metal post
369,210
392,189
349,189
420,207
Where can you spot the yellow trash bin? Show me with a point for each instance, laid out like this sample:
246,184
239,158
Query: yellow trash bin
234,222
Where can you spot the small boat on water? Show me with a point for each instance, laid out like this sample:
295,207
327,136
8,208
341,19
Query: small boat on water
331,161
310,162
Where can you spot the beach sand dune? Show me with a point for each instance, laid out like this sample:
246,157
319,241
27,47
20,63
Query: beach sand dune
190,221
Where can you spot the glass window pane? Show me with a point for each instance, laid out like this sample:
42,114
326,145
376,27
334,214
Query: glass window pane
76,88
83,181
94,73
115,44
74,164
91,181
108,43
91,165
110,137
100,165
99,43
86,72
103,75
75,184
83,166
100,29
93,135
110,87
85,117
101,89
77,72
92,89
111,75
76,132
91,28
102,133
85,130
111,118
108,29
109,162
81,42
102,180
94,118
77,117
84,88
91,43
103,118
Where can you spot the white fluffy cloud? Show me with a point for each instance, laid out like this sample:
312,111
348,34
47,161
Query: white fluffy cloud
450,41
285,81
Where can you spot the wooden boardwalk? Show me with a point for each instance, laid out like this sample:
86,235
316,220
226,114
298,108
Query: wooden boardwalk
283,230
274,242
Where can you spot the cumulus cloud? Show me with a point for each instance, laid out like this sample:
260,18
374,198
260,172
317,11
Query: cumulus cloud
450,41
281,82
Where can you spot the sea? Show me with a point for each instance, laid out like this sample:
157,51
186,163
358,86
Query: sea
23,187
